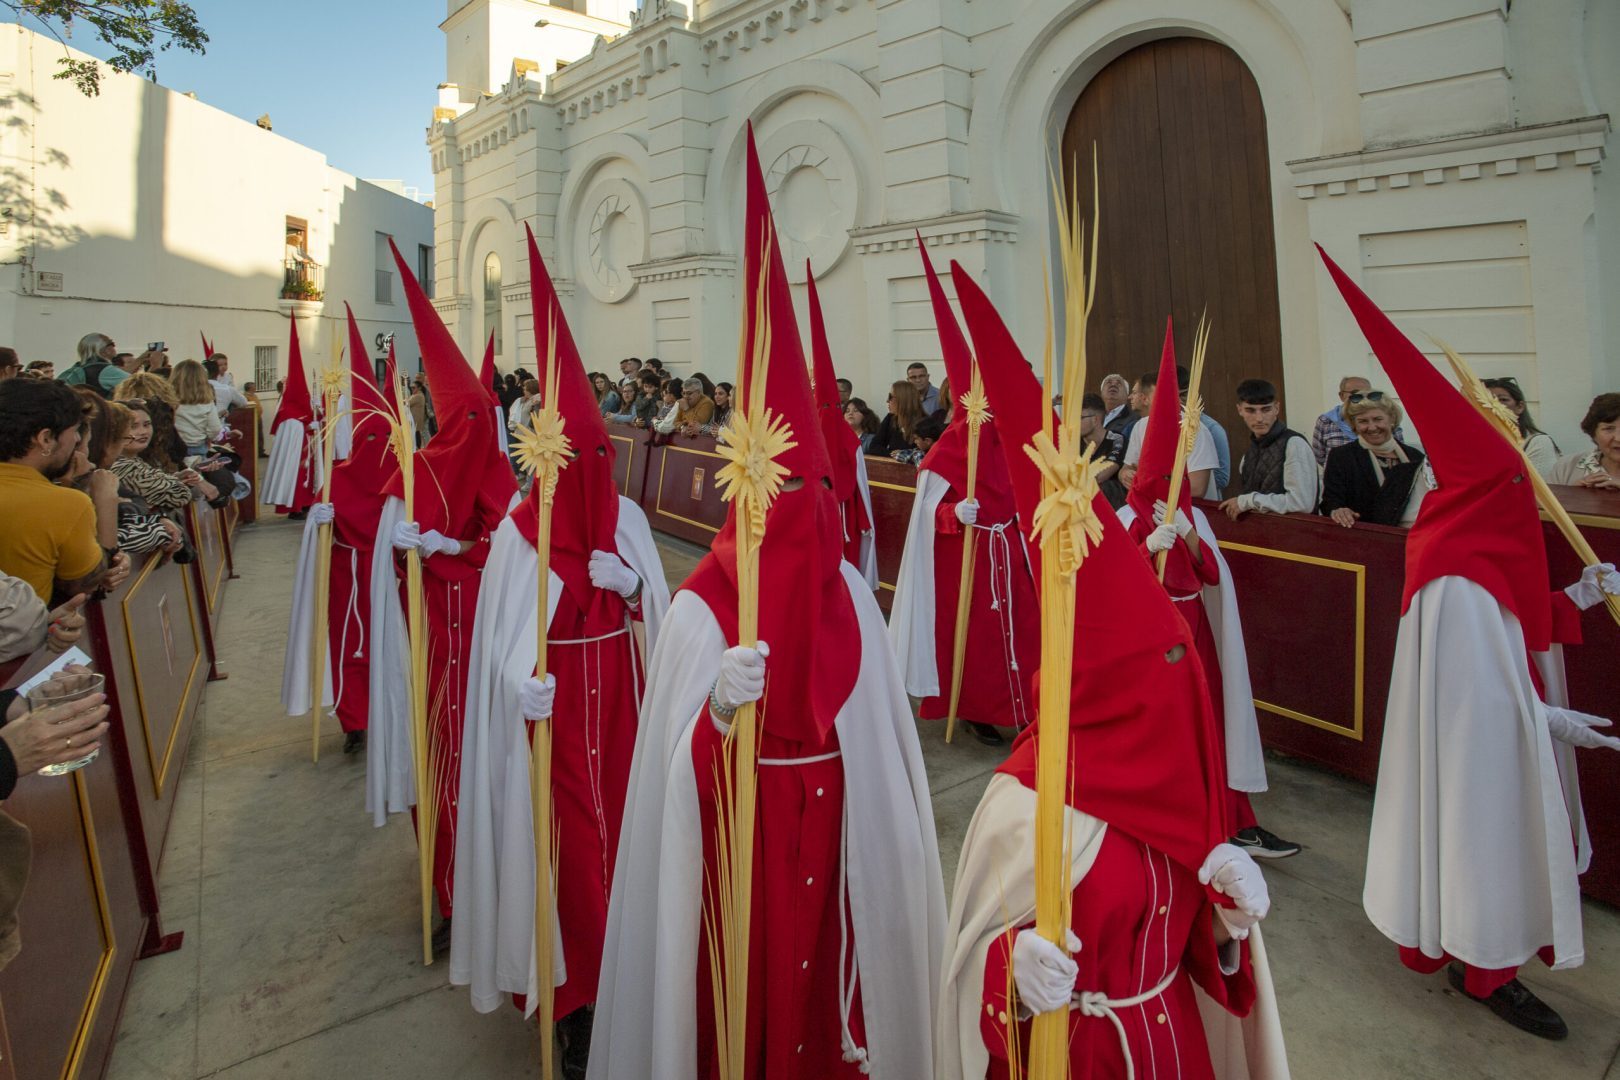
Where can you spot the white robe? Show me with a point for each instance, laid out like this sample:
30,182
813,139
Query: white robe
1470,851
995,890
1555,691
868,557
646,1019
911,615
295,666
280,481
1245,757
492,936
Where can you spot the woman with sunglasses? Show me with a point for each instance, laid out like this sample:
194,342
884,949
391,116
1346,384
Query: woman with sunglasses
1375,478
1538,445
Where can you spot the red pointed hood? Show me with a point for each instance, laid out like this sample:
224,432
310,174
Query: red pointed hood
1158,461
842,442
585,510
295,401
948,457
461,465
208,348
486,369
806,614
358,480
1482,522
1144,754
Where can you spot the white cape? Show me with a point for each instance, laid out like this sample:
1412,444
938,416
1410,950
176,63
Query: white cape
868,564
995,889
646,1023
300,628
1245,757
280,480
1555,691
911,615
492,938
1470,851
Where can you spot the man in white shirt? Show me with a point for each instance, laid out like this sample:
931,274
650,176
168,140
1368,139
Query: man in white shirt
1202,462
1278,470
226,395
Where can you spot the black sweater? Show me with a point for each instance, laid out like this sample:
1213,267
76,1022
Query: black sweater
1348,481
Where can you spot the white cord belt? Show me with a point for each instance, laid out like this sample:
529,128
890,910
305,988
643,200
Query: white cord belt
999,548
588,640
1096,1004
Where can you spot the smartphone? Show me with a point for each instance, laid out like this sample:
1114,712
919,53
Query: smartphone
157,346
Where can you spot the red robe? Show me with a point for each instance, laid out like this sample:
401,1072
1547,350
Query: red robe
307,492
794,1015
450,598
1004,617
1139,917
348,611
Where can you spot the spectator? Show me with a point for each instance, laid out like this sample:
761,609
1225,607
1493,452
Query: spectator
55,736
694,410
706,382
864,422
929,429
1375,478
722,409
1203,463
511,392
947,399
607,398
905,409
519,415
1598,467
1278,470
1116,398
1538,445
162,491
669,397
846,390
97,367
657,365
135,531
48,533
927,393
197,419
1331,427
629,368
25,624
43,368
226,395
1110,445
629,394
642,410
10,366
417,404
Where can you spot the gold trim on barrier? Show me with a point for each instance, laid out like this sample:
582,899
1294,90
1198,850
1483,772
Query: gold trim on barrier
160,773
1589,520
658,502
109,942
885,585
1358,730
891,487
631,444
212,593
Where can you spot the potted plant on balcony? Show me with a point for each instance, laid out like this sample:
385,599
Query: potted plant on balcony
301,290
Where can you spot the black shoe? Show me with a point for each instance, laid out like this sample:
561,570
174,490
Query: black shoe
298,515
986,733
1514,1003
441,938
1264,845
575,1029
353,741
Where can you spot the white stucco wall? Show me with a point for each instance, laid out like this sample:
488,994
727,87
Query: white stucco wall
165,216
1454,143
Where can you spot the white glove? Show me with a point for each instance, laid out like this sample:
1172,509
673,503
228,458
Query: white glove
1162,538
434,542
967,511
407,535
536,696
1576,728
1043,973
1233,873
314,427
1596,580
1183,523
742,676
321,514
609,572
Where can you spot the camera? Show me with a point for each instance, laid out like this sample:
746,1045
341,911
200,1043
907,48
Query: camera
157,346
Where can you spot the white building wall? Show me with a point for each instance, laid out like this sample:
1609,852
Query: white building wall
1421,129
165,217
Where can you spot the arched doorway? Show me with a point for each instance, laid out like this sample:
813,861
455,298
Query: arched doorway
1185,175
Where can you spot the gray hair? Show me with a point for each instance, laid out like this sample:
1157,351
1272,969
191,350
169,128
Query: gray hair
690,385
90,346
1114,380
1357,378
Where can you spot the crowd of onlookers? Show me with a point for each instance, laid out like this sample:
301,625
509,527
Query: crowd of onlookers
99,463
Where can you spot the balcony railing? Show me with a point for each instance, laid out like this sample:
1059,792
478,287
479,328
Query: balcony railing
304,279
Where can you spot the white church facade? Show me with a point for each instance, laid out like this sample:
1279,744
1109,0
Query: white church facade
1449,153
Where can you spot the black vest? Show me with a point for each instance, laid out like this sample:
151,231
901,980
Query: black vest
1262,467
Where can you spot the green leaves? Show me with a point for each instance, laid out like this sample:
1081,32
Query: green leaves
136,30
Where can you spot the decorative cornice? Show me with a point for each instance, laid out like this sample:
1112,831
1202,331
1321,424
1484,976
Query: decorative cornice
1540,148
449,305
685,266
741,31
978,226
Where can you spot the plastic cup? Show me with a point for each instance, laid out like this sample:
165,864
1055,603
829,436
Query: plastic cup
57,691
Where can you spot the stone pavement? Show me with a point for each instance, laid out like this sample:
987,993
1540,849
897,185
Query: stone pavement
302,955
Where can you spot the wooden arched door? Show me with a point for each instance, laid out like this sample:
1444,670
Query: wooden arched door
1186,217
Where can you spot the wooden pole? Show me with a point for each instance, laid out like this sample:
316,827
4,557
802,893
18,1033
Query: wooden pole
416,615
330,381
1191,416
973,403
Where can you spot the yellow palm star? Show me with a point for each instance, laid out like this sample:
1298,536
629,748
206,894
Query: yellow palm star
753,475
542,450
1065,521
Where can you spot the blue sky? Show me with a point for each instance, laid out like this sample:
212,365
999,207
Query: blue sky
354,79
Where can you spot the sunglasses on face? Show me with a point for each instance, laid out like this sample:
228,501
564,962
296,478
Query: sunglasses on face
1368,395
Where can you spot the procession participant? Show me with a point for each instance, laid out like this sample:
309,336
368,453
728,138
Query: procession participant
1475,846
843,446
1004,612
463,490
357,490
292,476
847,901
1197,579
1163,955
606,584
486,376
